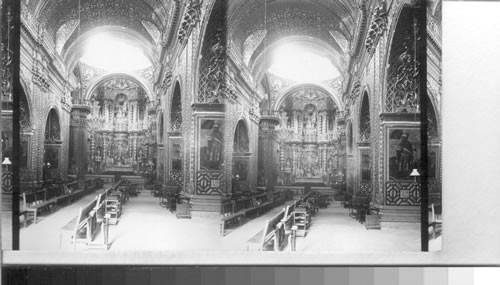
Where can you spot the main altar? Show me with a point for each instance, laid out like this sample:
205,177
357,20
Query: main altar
308,138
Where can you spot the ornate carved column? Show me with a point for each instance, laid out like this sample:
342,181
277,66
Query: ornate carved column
79,134
268,141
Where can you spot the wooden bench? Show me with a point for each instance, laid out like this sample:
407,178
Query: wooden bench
106,178
328,192
86,224
435,211
35,203
231,219
297,190
237,210
273,235
138,180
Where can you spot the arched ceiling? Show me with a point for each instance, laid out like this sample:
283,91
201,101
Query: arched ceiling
146,17
332,22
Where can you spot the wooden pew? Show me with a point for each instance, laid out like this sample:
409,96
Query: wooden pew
86,225
106,178
329,192
138,180
435,211
297,190
273,235
34,203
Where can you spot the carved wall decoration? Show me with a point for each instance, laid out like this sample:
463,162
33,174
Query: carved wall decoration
213,87
213,76
402,193
355,91
6,72
403,74
365,189
210,183
190,19
176,178
167,79
377,28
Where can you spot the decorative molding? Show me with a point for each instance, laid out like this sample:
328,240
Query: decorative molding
167,79
402,193
214,88
40,78
210,183
191,18
355,91
66,103
176,178
403,92
377,27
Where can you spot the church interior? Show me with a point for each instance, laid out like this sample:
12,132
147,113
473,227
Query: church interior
267,125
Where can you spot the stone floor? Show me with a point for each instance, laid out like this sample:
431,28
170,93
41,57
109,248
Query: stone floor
145,226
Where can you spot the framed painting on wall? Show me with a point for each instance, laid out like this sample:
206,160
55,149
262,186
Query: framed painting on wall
403,152
211,143
366,168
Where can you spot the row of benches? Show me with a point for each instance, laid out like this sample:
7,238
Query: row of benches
296,214
90,218
34,201
235,211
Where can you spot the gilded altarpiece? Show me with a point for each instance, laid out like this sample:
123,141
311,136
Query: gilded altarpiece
123,137
308,138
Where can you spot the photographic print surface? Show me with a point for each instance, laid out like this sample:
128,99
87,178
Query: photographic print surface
223,125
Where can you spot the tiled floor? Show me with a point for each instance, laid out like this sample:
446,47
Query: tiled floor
145,226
